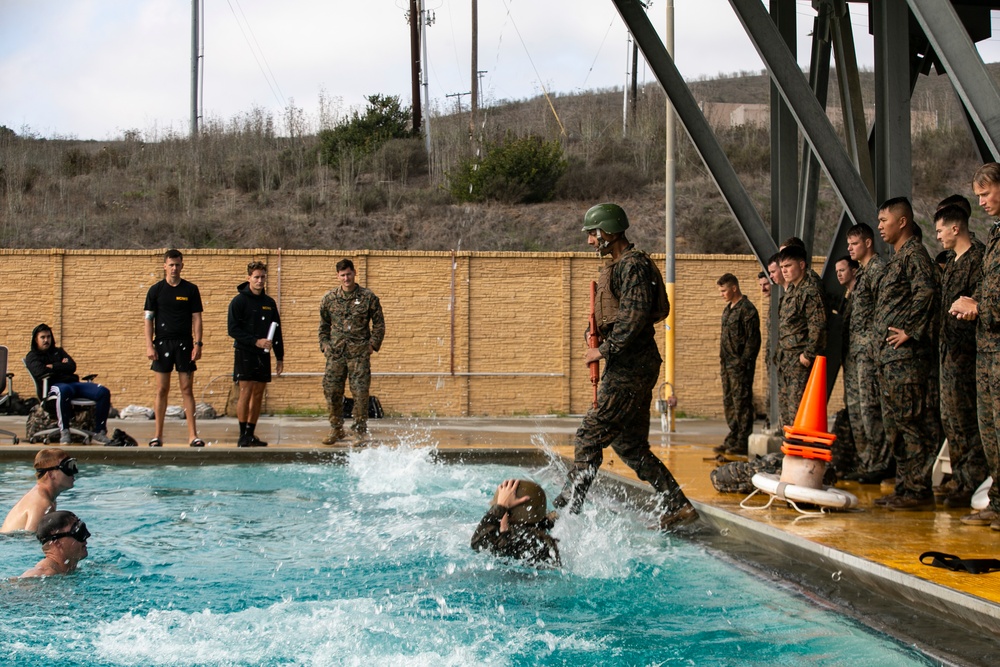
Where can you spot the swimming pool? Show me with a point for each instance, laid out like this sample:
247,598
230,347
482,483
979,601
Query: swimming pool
369,563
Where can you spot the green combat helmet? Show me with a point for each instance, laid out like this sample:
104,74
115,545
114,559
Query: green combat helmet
609,218
531,511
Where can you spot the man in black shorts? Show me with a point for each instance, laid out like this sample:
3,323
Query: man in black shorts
255,327
173,339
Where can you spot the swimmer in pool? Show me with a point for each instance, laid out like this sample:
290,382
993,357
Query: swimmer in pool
518,527
64,544
55,470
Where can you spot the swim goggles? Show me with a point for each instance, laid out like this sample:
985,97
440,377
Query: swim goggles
67,465
78,532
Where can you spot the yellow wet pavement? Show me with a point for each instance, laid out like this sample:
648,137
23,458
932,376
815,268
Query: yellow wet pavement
893,539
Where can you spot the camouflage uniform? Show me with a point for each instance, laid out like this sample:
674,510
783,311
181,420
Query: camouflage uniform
626,300
801,330
531,543
738,351
347,341
988,361
908,299
959,414
866,421
852,390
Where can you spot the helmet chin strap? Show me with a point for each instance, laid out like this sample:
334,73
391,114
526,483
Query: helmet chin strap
603,244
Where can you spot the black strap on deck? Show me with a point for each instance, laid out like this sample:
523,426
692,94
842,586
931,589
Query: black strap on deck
956,564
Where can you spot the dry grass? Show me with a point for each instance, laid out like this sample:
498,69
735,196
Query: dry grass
256,181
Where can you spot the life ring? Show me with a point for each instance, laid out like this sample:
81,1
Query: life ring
826,497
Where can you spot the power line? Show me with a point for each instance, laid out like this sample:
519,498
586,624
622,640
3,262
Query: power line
276,93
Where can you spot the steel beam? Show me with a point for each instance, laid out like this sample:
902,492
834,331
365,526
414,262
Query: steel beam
784,137
819,82
893,71
849,85
697,127
975,87
816,127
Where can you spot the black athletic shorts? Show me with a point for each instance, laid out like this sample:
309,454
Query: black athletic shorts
171,353
251,366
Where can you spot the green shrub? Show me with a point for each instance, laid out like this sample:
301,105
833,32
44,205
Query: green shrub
384,119
518,171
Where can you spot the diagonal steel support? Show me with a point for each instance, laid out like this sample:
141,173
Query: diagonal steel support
721,169
812,120
973,83
819,81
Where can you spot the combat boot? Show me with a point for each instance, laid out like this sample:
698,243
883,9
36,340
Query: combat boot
334,435
574,492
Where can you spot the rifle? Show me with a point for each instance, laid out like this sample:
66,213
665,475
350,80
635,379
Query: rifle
593,340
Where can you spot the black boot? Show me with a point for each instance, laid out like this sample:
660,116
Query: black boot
670,504
574,492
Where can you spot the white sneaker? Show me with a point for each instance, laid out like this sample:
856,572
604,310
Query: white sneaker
65,437
101,438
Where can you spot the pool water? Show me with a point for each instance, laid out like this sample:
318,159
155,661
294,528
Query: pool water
369,564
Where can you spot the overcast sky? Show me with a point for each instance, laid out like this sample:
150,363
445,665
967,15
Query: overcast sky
92,69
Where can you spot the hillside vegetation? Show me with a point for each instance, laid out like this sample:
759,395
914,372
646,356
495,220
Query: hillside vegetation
260,181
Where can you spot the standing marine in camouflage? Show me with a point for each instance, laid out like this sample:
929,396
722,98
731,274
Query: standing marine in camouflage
866,422
985,307
801,331
905,322
846,460
348,343
962,275
738,349
631,299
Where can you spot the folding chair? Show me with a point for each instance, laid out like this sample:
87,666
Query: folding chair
6,388
42,391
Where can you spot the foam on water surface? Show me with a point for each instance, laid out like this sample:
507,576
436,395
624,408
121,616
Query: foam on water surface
369,563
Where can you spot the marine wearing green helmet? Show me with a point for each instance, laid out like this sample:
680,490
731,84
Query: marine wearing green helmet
609,218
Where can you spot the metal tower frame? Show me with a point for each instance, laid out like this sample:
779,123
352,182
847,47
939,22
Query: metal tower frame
910,36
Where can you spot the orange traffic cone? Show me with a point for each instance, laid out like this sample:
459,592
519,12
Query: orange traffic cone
808,438
811,416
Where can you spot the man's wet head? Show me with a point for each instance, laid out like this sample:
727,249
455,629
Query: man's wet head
531,511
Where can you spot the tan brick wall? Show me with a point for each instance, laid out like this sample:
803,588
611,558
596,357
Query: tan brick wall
467,333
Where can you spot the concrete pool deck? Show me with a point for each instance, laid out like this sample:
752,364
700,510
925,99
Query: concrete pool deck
865,560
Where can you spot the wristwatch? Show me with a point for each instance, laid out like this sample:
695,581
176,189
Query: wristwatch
198,343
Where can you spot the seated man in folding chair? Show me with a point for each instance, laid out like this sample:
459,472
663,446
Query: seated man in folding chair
46,358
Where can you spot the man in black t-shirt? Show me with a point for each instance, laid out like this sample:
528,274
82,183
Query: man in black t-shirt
173,339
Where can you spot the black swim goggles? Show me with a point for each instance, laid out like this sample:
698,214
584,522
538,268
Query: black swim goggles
67,465
78,532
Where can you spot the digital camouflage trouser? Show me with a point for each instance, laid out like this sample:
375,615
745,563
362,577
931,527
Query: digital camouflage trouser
877,456
792,380
621,421
909,427
357,371
737,403
988,397
852,401
960,419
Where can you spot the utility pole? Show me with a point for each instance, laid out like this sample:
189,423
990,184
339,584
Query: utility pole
414,16
481,73
195,63
475,71
459,101
426,20
625,92
635,77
